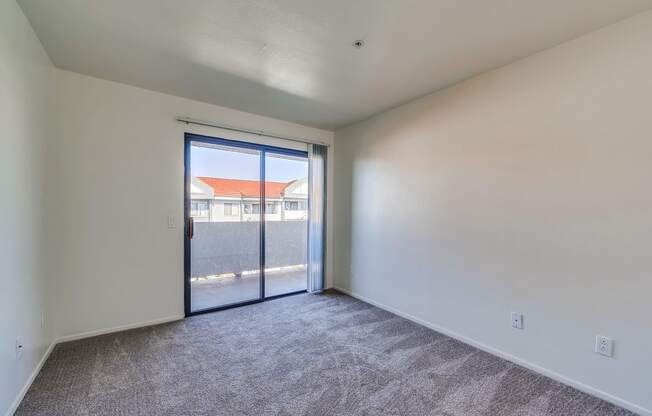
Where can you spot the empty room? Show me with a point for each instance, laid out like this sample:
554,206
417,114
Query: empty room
312,207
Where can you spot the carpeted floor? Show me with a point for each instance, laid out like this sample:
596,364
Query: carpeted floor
311,355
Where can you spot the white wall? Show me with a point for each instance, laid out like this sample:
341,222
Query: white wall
89,172
120,174
26,189
529,190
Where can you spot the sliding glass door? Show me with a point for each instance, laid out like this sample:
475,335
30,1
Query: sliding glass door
246,223
286,223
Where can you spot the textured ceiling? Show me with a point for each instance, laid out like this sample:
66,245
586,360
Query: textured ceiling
293,59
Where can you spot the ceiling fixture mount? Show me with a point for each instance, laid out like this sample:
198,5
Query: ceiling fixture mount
358,43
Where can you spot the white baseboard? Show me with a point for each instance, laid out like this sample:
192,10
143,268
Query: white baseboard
97,332
509,357
14,406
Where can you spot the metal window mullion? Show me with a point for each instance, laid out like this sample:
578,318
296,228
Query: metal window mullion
262,224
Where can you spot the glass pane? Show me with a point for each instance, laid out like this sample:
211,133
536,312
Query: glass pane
225,247
286,226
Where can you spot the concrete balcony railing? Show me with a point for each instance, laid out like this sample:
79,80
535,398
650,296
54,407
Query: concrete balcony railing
234,247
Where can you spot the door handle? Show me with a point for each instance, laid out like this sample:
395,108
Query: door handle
191,227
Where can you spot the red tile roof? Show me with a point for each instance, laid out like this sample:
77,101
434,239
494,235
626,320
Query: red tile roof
243,188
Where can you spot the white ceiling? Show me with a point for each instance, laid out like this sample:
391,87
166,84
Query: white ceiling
293,59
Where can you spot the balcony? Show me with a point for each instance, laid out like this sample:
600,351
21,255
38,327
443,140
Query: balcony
225,261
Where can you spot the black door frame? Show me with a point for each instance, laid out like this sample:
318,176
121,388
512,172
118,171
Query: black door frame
264,149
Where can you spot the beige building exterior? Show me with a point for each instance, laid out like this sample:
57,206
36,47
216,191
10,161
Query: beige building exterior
235,200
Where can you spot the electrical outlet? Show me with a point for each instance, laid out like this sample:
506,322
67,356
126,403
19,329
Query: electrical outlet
604,346
517,320
172,222
19,348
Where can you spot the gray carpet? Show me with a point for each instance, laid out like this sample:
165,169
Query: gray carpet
302,355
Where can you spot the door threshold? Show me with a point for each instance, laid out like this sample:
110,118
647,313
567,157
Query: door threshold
245,303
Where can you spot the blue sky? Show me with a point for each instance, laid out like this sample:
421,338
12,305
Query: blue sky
235,165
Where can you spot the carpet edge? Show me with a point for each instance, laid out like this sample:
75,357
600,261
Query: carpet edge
119,328
23,391
509,357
